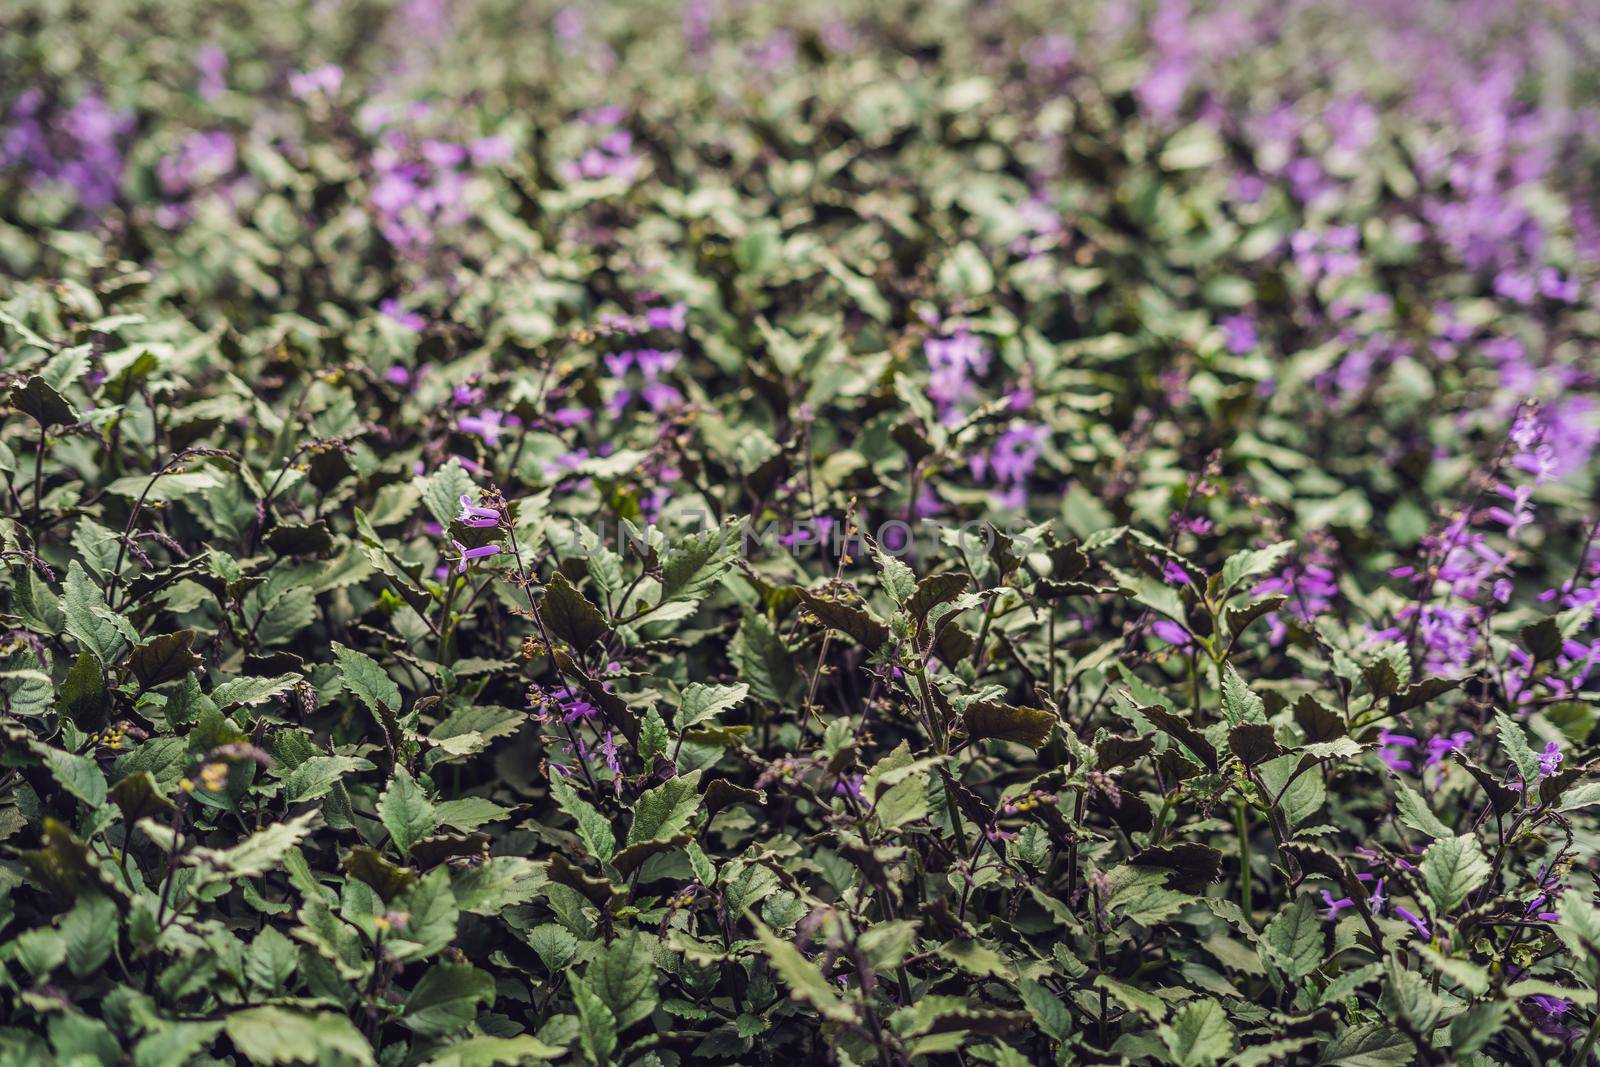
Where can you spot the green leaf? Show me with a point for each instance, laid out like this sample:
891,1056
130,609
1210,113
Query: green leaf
695,563
1370,1045
270,960
666,809
406,812
1253,562
490,887
1453,867
96,627
1472,1029
593,827
1418,1004
1026,726
139,797
1415,813
317,775
278,1035
363,677
78,775
570,616
494,1052
764,661
1239,704
83,698
249,692
431,916
39,401
857,624
1199,1034
443,490
446,999
1292,941
164,659
805,980
89,932
701,703
899,581
624,977
1052,1016
1515,742
259,853
597,1027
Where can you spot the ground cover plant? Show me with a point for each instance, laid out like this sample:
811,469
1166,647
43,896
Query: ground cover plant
937,533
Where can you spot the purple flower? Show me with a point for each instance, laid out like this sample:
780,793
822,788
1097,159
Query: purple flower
1550,759
952,364
1554,287
394,311
1439,746
212,64
472,515
490,151
1172,633
1390,745
325,80
1552,1010
1422,927
674,317
1334,906
574,705
1239,334
487,425
469,554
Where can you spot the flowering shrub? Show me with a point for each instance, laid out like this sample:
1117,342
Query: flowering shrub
757,533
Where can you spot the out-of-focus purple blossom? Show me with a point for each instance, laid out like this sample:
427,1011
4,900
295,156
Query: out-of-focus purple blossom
1391,749
775,54
80,147
1330,253
490,151
200,159
1049,54
1439,747
1310,583
568,24
1333,907
1172,633
395,312
211,63
1010,462
1515,285
611,156
1239,334
672,317
488,425
325,80
953,363
1554,287
1552,1012
571,416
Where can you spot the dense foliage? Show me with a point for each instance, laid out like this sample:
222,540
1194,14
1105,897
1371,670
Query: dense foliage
1019,532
